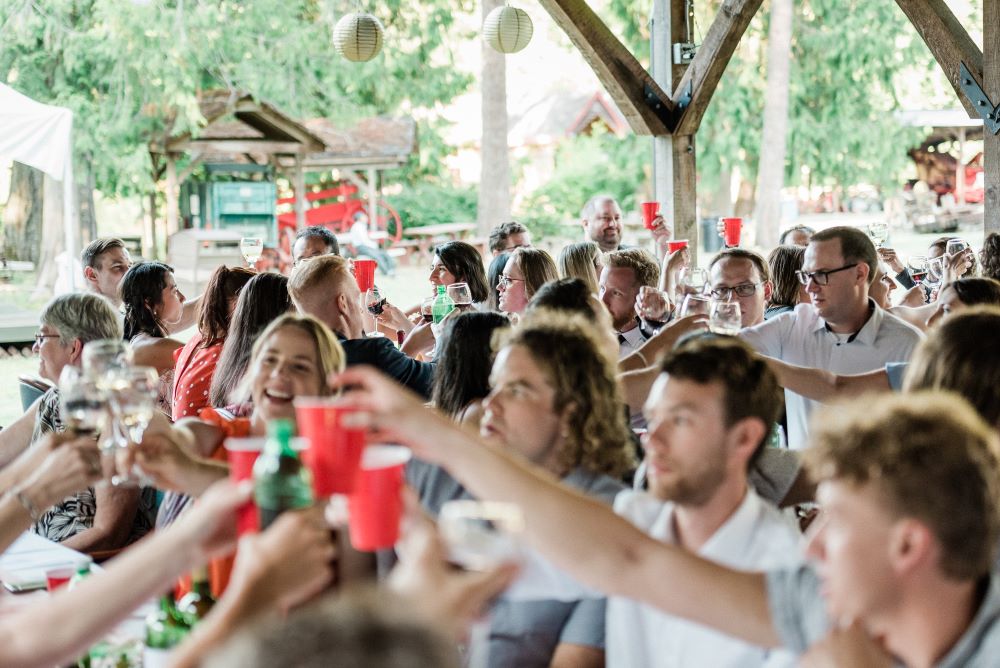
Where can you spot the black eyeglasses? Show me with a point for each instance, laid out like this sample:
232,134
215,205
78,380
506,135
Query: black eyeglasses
821,277
741,290
39,338
506,280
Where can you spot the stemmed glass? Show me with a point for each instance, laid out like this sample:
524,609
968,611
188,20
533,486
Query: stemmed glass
375,303
427,309
878,232
104,358
252,248
694,279
652,304
461,295
725,318
695,304
955,246
918,267
83,405
133,403
481,535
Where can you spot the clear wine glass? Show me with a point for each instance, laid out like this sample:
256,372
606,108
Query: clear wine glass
461,295
252,248
652,304
133,402
104,358
724,317
375,304
694,279
878,232
917,264
83,406
955,246
695,304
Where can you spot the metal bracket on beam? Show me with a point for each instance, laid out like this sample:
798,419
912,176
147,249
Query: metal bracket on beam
662,109
989,112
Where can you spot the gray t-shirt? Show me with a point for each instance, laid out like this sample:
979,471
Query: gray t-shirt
526,633
799,615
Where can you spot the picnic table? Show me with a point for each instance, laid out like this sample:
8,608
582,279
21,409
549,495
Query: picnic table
426,236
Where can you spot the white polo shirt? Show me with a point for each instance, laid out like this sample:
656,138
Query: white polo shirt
802,337
755,537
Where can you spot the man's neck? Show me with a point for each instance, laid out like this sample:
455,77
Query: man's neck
927,624
695,525
115,301
629,326
852,324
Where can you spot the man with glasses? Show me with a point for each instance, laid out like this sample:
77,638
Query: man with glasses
742,276
505,237
843,330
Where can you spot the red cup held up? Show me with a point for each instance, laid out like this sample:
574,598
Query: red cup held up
649,211
241,454
674,246
376,506
364,273
334,452
732,229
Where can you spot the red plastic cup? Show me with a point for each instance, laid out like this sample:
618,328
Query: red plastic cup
242,453
334,453
732,229
674,246
649,212
364,273
58,577
376,506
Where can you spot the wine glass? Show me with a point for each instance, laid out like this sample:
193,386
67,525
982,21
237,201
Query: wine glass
935,270
652,304
133,401
375,303
252,248
955,246
83,406
694,304
104,358
878,232
725,318
427,309
461,295
694,279
917,264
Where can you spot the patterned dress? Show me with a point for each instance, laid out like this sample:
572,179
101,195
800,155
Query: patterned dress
76,513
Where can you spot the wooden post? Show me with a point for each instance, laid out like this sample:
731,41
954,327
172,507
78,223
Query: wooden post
372,199
173,209
960,169
673,156
300,193
991,84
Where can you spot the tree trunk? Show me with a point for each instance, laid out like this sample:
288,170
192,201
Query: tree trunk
53,237
771,173
85,203
494,179
721,201
22,217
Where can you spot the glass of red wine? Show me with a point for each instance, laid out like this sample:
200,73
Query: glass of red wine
918,267
427,309
461,295
375,303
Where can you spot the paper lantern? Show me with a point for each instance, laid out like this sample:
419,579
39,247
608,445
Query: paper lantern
507,29
358,37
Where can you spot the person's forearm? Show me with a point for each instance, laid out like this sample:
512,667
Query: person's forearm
14,520
234,609
204,474
816,384
54,632
628,562
636,386
189,316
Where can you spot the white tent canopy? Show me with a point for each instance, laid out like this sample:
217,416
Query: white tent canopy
40,135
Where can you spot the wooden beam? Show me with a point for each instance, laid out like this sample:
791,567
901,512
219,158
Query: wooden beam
991,142
621,74
948,41
705,71
300,194
237,146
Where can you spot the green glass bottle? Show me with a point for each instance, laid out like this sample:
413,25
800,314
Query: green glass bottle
197,602
82,570
443,304
165,629
280,481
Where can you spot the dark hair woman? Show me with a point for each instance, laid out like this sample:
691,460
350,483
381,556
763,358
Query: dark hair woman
197,361
262,300
989,256
493,274
464,360
152,303
784,261
459,262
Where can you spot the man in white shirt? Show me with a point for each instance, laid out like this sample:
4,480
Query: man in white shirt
709,414
842,330
624,272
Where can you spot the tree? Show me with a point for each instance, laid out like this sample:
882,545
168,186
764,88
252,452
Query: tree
771,175
22,217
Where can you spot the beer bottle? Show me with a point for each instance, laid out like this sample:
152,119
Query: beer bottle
165,629
280,481
197,602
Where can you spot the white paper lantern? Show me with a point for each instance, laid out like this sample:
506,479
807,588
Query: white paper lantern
507,29
358,37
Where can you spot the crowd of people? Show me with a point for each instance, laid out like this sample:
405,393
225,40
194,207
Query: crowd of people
819,488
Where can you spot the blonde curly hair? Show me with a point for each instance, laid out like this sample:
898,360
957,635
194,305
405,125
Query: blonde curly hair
569,352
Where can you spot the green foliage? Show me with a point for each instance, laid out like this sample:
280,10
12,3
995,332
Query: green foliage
131,71
432,203
587,166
